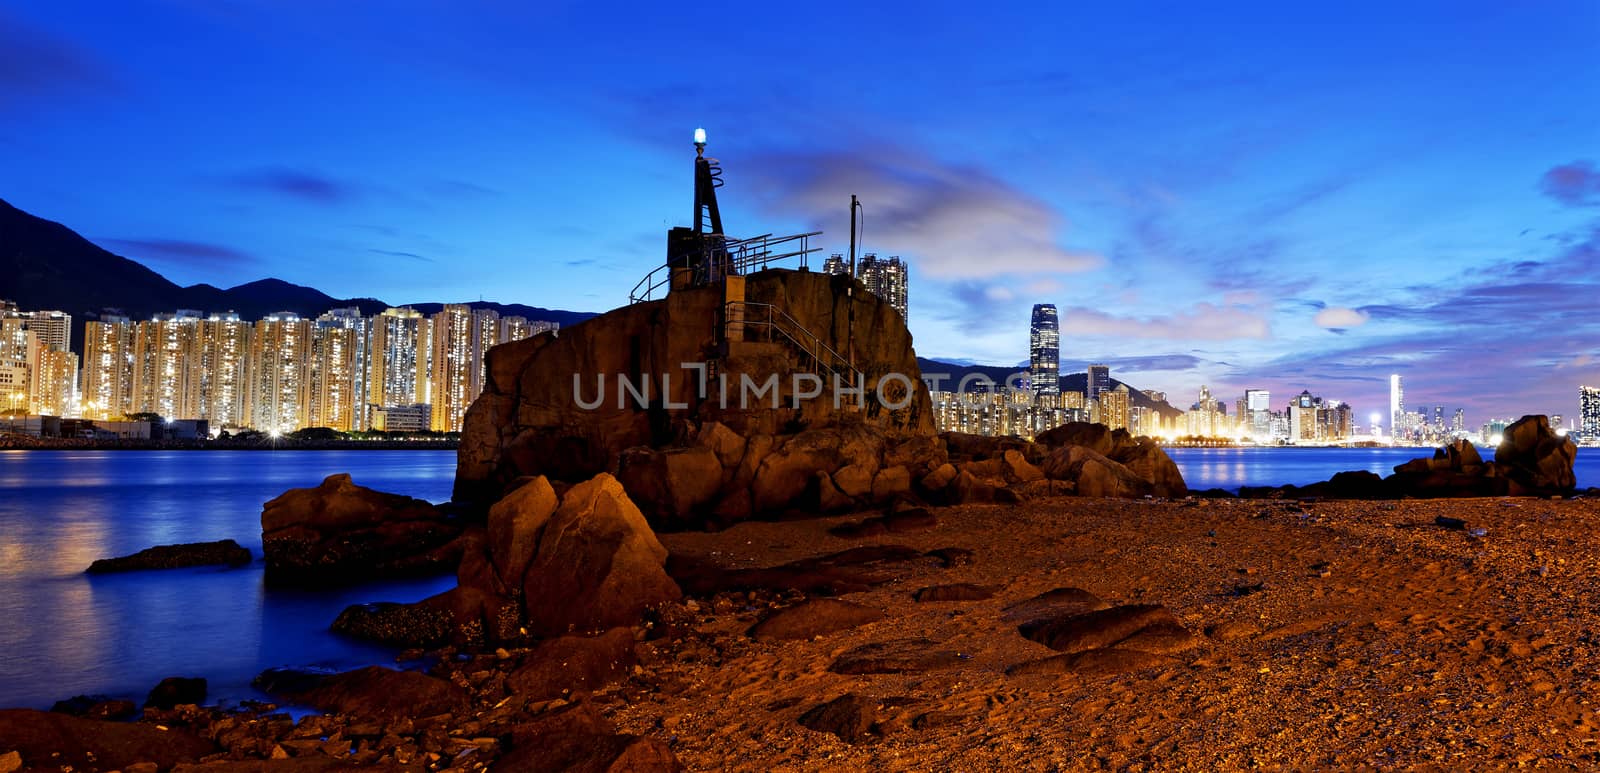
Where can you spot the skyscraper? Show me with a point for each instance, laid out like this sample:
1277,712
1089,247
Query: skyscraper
338,357
223,363
1397,405
1044,350
1099,381
1589,412
455,368
885,278
397,362
485,336
280,369
1114,407
835,265
107,368
1258,416
166,378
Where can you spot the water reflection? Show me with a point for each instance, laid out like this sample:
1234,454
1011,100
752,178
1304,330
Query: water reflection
1231,468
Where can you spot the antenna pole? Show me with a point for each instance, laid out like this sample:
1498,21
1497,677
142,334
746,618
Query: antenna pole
854,204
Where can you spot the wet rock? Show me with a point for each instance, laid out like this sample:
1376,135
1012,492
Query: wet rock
339,531
556,668
962,591
222,552
96,707
374,692
53,741
896,656
1057,603
176,690
814,618
425,624
1094,630
853,718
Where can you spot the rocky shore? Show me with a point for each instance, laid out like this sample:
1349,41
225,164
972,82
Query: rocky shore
1229,633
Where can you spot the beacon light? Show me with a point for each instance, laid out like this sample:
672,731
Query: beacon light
699,136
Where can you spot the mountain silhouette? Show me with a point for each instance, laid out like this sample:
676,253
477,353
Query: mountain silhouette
45,265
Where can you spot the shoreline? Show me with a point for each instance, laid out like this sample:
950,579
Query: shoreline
7,444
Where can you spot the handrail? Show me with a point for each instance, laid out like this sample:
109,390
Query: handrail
739,256
801,338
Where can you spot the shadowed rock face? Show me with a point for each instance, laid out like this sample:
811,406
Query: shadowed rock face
342,531
528,421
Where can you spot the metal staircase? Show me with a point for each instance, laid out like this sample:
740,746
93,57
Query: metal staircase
747,321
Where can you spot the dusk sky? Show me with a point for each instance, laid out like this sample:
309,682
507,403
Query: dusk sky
1279,196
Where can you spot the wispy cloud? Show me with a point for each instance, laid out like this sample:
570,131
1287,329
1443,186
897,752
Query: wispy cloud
306,186
178,251
954,221
1340,320
400,254
1576,184
33,63
1201,322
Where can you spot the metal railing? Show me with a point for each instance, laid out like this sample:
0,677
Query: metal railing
731,257
775,324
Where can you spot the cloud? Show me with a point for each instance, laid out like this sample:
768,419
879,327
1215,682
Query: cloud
296,184
953,221
1139,364
460,189
34,63
179,251
1340,319
1576,184
1203,322
399,254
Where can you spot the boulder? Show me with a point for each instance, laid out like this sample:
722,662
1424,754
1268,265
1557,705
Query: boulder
1057,603
813,618
1535,459
1096,437
596,564
855,480
557,668
578,738
46,740
963,591
222,552
373,692
673,487
1094,475
175,691
1101,628
339,531
854,718
96,707
896,656
938,478
890,482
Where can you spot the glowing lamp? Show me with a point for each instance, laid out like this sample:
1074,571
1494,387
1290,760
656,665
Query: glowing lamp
699,136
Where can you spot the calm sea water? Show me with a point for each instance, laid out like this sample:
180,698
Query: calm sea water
1230,468
63,633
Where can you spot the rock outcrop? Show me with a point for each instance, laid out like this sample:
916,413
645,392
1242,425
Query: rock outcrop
1532,460
48,740
625,393
339,531
222,552
1077,458
547,566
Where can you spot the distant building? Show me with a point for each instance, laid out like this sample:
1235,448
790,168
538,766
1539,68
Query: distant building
886,278
1258,413
1099,380
454,383
1397,406
223,365
1044,351
835,265
166,372
337,379
107,388
403,418
280,367
397,359
1589,412
1114,407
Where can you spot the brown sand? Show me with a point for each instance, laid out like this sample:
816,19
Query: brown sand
1336,635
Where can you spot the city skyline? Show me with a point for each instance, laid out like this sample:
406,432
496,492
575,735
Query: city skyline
1327,196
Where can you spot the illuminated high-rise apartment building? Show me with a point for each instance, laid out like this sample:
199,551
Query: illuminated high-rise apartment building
338,358
166,379
1114,407
1044,350
835,265
107,389
34,355
886,278
485,336
1589,413
280,373
1397,407
397,359
222,359
514,328
454,381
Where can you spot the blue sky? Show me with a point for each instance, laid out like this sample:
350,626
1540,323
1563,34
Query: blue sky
1269,196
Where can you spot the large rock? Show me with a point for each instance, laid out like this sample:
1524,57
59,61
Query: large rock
373,692
559,667
813,618
578,739
1142,456
51,741
534,419
1535,459
1095,475
222,552
339,531
673,487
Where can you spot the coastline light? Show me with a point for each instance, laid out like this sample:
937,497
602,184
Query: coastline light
1497,440
699,136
